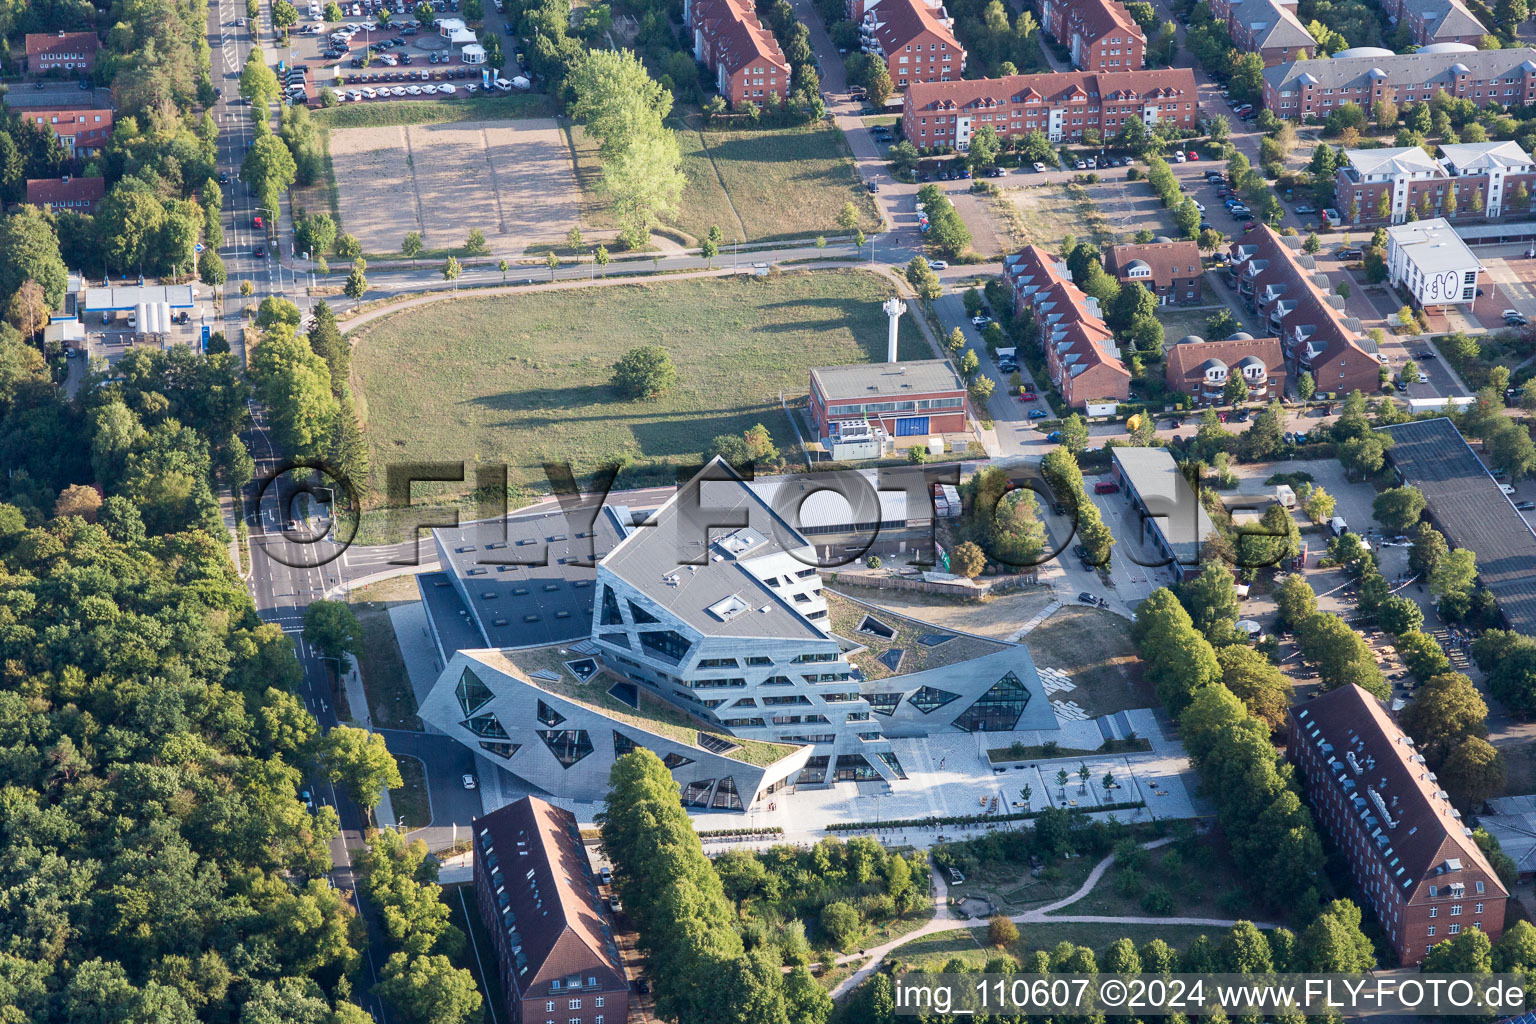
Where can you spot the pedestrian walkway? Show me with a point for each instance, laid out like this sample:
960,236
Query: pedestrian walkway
357,703
942,922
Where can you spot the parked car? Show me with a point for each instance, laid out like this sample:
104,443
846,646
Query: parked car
1178,157
1350,254
1038,414
469,781
605,875
1039,167
1305,208
1525,506
938,265
1193,155
1506,488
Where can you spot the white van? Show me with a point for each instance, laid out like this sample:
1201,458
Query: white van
1338,526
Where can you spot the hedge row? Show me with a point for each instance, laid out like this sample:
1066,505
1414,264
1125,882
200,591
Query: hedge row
970,819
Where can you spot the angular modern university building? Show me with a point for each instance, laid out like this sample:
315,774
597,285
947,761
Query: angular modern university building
704,634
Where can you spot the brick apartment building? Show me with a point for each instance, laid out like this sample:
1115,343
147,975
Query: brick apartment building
537,896
1410,852
730,40
1201,368
83,132
1100,33
915,38
76,195
61,51
1315,88
1081,356
912,400
1276,280
1061,105
1487,178
1436,21
1269,28
1170,270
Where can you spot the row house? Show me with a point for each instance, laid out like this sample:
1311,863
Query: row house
1312,89
1101,34
1295,302
82,132
1081,356
1062,106
1201,369
916,40
61,51
1269,28
730,40
1470,180
74,195
1411,854
1436,21
1170,270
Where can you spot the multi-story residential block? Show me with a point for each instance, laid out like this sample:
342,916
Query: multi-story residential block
702,633
61,51
911,400
1269,28
1062,106
537,897
1100,33
1312,89
1201,368
1436,21
1081,356
916,40
1170,270
76,195
1472,180
730,40
1428,260
1281,283
1411,854
83,132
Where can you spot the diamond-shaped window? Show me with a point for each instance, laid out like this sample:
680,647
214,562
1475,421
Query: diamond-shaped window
472,693
673,761
998,709
501,750
486,725
623,744
548,715
696,794
568,745
931,698
640,614
610,615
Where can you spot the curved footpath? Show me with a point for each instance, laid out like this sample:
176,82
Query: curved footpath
943,922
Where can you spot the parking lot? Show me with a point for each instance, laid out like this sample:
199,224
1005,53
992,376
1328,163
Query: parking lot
511,179
365,62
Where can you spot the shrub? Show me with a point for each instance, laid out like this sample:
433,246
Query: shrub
840,923
1157,901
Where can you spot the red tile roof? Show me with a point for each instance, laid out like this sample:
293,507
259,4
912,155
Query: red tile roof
1186,359
1168,261
737,38
553,894
41,43
1098,18
1120,86
1428,829
901,21
47,191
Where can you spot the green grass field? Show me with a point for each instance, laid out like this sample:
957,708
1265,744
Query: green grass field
474,108
756,185
523,379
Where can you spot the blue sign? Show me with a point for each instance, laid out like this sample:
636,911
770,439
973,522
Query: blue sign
198,247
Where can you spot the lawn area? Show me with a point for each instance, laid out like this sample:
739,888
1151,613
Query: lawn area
847,616
1009,887
589,171
474,108
1197,874
410,801
1094,648
479,954
932,951
998,617
523,379
1180,323
779,182
391,701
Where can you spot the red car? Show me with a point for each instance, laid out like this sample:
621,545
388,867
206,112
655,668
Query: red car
1105,487
1193,155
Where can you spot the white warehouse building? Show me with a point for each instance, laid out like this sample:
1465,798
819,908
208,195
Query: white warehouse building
1431,262
703,633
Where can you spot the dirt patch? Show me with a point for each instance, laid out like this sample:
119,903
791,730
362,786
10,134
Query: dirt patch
511,179
1094,649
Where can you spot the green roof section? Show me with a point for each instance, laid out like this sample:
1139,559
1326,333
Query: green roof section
847,615
654,714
